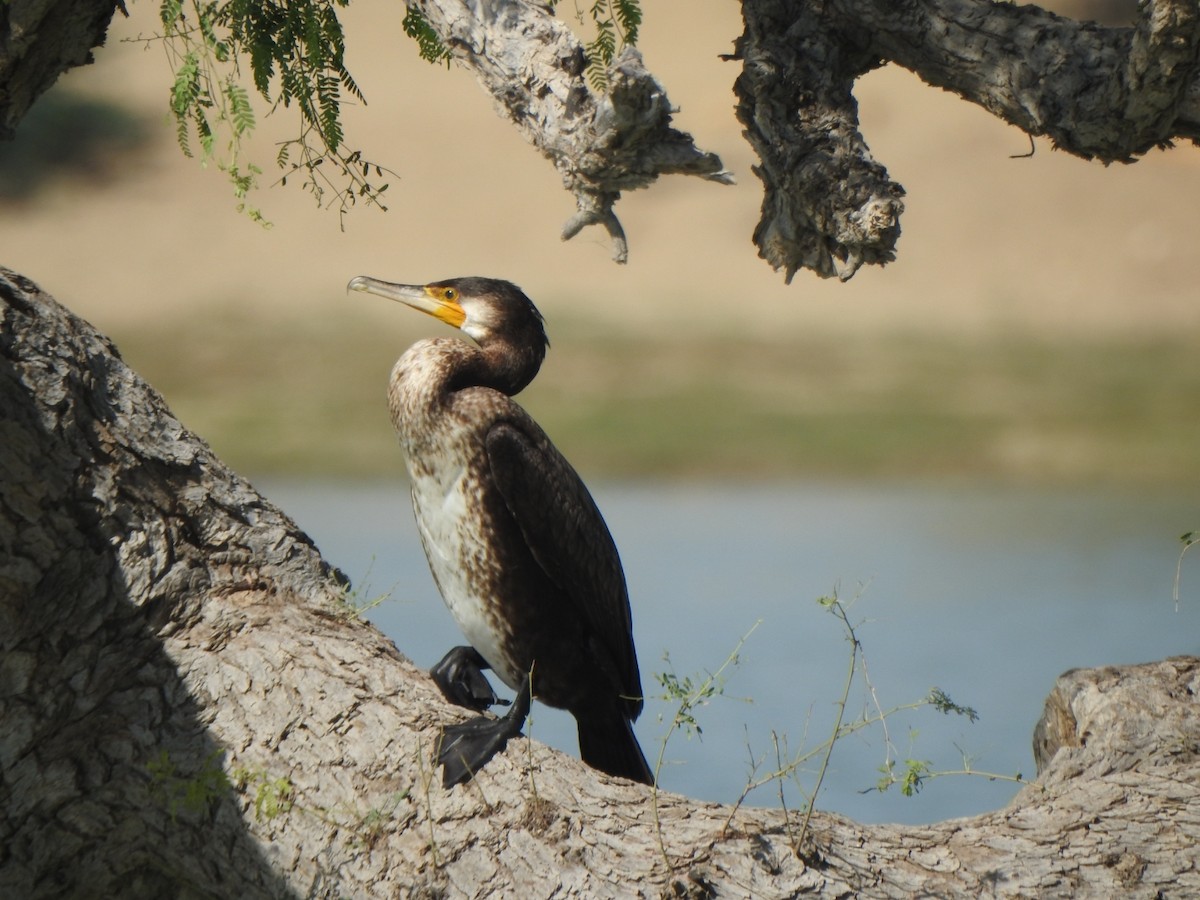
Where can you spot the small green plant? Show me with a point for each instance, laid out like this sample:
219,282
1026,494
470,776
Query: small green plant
688,694
941,701
427,775
370,826
355,603
193,793
535,799
915,772
807,767
273,796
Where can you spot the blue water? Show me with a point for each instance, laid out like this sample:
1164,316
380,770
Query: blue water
988,594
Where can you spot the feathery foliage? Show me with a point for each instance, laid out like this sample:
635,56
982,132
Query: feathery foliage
294,50
616,24
429,42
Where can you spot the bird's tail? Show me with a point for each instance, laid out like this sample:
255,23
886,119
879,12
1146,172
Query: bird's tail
607,743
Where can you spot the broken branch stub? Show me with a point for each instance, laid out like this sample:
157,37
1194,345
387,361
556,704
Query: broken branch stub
601,142
825,199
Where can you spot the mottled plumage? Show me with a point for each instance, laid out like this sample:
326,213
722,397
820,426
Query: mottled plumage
519,551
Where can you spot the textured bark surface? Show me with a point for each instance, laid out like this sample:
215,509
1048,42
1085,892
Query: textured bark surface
1106,92
601,143
1109,93
190,709
39,40
824,197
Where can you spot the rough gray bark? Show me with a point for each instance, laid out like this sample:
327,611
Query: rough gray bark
190,710
39,40
824,197
1108,93
602,144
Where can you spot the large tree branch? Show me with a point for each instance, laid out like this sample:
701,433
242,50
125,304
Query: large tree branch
189,709
824,197
601,143
828,206
1110,93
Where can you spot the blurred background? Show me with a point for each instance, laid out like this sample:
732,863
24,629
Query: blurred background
993,440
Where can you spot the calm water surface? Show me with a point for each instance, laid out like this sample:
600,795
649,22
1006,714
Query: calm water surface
986,594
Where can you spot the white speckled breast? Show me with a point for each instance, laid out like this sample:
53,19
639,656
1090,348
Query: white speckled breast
451,533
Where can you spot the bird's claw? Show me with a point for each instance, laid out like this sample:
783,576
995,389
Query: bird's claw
460,677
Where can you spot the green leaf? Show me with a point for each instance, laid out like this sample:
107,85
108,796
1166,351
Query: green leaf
429,43
629,15
204,132
328,97
292,51
169,12
186,89
240,111
940,701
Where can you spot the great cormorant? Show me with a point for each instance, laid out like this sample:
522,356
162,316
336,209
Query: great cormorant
518,549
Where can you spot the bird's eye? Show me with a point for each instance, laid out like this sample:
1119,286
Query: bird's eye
450,294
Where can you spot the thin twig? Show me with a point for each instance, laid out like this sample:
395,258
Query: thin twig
855,647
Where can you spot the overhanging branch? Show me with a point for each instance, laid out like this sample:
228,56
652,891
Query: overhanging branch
824,197
828,206
601,143
1096,92
1108,93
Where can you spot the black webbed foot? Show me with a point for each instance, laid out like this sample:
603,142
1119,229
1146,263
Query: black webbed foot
459,674
465,749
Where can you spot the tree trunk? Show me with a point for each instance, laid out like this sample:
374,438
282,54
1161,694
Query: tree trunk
41,39
191,709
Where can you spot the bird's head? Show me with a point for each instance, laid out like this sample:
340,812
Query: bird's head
496,314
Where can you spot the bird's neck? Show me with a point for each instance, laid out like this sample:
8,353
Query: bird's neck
430,372
501,366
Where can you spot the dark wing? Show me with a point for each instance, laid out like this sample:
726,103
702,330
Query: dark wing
568,538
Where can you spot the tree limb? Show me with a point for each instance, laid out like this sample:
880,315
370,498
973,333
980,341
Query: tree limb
824,197
601,143
828,206
1097,92
1109,93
